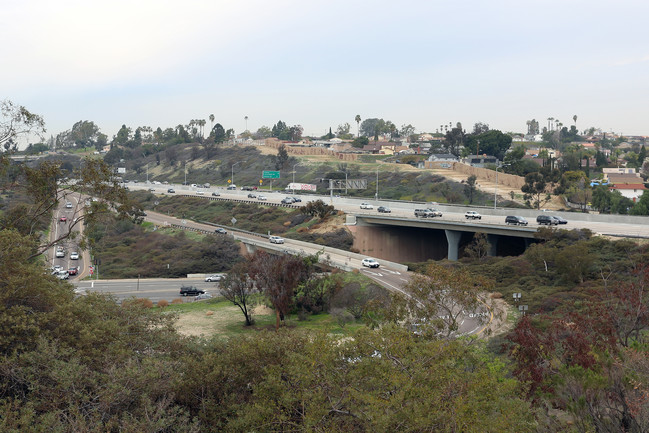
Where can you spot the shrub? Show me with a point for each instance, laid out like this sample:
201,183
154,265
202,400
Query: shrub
342,316
177,301
163,303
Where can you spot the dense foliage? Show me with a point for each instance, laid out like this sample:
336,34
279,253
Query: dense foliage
127,250
88,364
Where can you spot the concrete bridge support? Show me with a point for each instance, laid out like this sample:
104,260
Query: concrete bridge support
493,244
453,237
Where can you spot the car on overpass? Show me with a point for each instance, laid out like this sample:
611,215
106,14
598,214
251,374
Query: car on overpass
472,215
383,209
546,220
221,231
515,220
370,263
366,206
276,240
560,220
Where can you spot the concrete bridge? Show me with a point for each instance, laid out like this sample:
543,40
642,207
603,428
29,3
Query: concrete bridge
415,240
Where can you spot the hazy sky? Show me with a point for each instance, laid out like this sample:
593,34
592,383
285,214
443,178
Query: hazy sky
319,63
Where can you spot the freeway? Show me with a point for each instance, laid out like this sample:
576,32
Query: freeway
621,226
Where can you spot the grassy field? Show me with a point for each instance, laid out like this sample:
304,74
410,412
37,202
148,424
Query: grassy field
219,318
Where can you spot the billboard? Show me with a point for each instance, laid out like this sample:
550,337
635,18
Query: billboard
301,186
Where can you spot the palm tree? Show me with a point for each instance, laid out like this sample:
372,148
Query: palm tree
211,122
246,119
550,119
574,119
358,124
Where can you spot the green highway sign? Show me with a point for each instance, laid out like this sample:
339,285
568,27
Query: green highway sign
270,174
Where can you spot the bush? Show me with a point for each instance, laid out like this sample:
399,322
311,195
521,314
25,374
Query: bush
342,316
163,303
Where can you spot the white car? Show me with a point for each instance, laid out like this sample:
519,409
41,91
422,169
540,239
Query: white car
366,206
74,255
370,263
68,205
60,253
276,240
472,215
262,198
213,278
200,192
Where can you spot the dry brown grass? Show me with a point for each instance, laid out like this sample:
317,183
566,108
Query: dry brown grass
163,303
177,301
201,323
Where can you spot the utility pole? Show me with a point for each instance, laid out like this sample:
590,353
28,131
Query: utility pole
376,195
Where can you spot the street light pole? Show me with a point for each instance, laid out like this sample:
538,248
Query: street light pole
185,173
232,174
496,189
376,195
295,165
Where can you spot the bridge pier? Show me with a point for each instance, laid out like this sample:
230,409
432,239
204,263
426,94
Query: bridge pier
493,244
453,237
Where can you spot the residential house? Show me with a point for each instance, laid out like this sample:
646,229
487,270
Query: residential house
630,190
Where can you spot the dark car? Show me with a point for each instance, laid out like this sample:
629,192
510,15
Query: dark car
246,188
215,194
560,220
516,220
221,230
190,291
251,195
171,190
546,220
383,209
73,271
297,199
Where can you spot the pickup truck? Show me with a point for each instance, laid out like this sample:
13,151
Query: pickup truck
190,291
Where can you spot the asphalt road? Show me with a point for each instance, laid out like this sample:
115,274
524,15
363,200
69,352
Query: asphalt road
404,210
155,289
60,228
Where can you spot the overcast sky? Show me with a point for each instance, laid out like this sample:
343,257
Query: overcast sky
318,63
